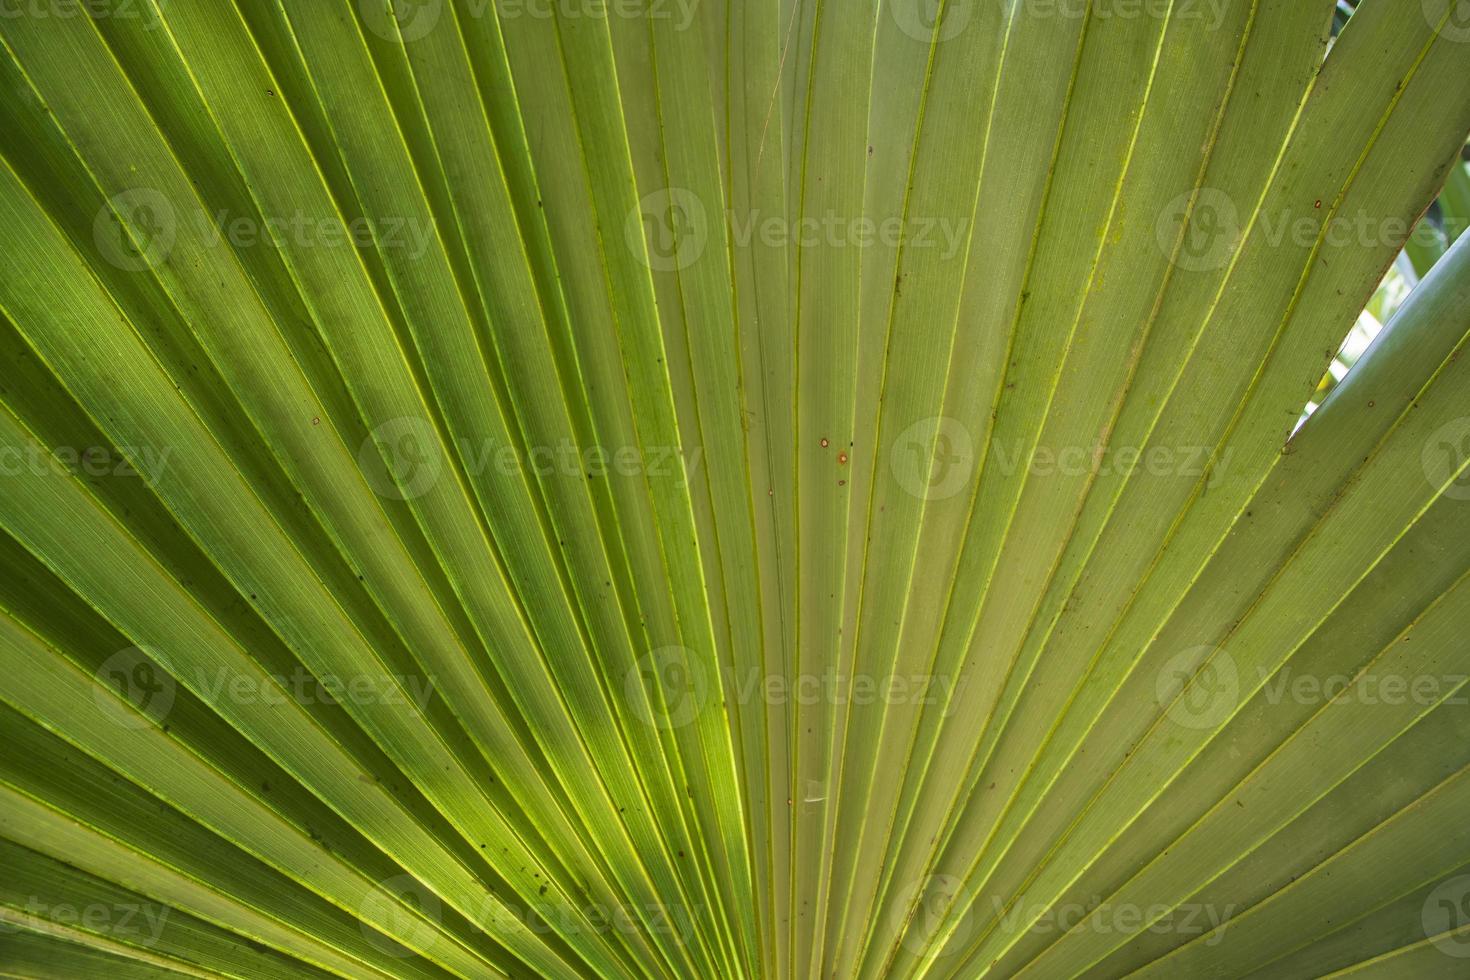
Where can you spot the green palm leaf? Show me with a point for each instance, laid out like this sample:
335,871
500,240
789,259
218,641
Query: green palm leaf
660,488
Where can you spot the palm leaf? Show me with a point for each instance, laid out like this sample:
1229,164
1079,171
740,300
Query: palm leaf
771,489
